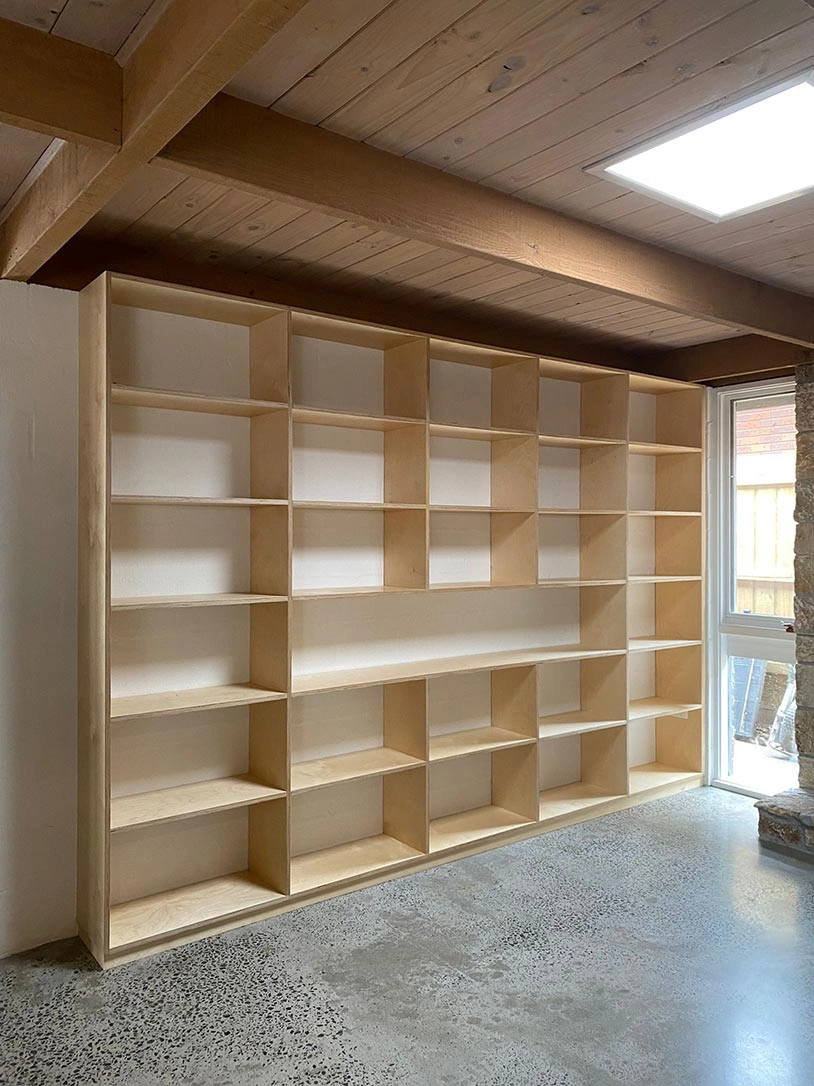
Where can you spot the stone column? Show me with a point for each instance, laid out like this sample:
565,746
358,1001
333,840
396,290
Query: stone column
787,820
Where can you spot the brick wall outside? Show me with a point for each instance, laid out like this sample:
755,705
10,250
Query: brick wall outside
765,429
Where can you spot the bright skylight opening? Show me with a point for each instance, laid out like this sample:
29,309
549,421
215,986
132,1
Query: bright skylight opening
757,155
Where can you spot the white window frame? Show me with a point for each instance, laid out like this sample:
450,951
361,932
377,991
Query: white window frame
730,633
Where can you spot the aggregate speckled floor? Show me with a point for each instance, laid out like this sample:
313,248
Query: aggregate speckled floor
654,947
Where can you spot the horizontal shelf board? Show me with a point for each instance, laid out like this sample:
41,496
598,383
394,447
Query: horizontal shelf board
175,910
576,582
340,593
664,512
187,800
315,416
655,774
369,506
466,826
219,599
574,723
568,798
315,682
473,740
343,862
130,396
164,499
578,442
581,512
187,701
647,578
188,301
655,644
464,586
479,509
345,767
649,708
475,433
656,448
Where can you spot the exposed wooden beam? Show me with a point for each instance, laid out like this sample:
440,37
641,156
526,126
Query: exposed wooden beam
741,358
193,50
254,149
58,87
82,259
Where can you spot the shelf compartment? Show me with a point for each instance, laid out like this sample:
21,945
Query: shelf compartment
473,740
167,399
671,483
217,599
582,405
497,475
581,696
651,708
481,794
664,612
482,388
188,800
578,771
472,713
661,547
173,876
656,775
187,701
664,415
581,548
591,480
344,767
491,549
358,827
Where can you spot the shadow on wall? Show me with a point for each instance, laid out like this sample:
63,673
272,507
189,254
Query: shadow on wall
38,442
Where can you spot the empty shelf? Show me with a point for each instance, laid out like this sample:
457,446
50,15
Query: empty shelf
658,448
220,599
475,433
314,682
578,442
654,644
131,396
574,723
654,578
569,798
315,416
174,910
187,800
467,826
165,499
655,774
342,862
473,740
343,767
647,708
187,701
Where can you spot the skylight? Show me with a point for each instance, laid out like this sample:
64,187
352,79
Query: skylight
757,154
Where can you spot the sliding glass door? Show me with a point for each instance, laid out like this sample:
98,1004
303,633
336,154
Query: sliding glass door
751,587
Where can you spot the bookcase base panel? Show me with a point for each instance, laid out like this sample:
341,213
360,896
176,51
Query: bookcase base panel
142,928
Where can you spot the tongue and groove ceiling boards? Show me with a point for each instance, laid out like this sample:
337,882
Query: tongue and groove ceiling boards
515,97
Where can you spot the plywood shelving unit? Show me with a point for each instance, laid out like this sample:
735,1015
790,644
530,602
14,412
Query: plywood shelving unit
355,601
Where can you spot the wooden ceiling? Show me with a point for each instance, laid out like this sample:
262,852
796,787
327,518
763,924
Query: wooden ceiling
517,95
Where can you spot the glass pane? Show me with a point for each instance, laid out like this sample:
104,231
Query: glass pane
764,467
760,754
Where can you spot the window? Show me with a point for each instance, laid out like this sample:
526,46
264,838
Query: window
751,599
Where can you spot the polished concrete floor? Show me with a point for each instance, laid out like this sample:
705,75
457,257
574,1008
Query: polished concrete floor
655,947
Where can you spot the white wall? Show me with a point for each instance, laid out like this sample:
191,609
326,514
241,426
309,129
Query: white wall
38,439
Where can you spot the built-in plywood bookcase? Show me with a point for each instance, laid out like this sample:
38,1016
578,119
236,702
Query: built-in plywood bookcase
355,601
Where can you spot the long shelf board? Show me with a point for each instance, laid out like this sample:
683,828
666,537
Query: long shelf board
187,701
467,826
349,861
363,506
130,396
576,582
345,767
658,448
479,509
650,708
574,723
464,586
563,442
323,681
166,499
474,740
551,512
345,591
218,599
647,578
475,433
187,800
569,798
656,774
655,644
315,416
187,907
664,512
